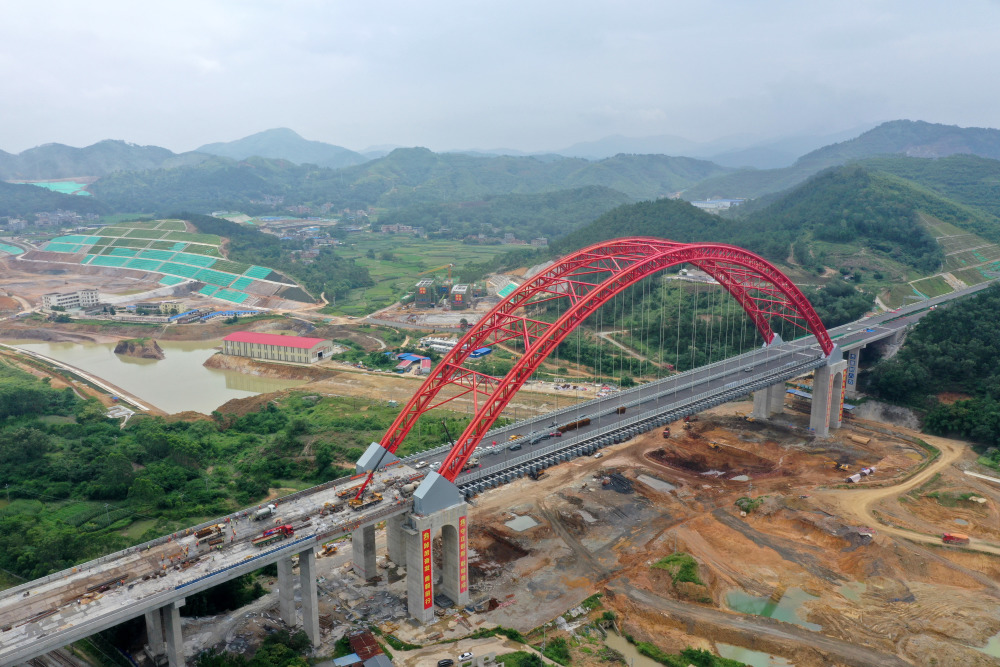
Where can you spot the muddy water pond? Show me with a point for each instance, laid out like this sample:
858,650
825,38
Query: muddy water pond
177,383
751,657
786,609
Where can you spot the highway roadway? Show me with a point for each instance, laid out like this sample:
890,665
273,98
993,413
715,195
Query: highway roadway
680,389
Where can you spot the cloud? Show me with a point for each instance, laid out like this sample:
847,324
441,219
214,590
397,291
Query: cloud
520,74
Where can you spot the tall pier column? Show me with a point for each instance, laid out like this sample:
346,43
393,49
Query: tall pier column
175,638
395,539
286,592
853,356
310,600
154,634
363,552
828,397
769,401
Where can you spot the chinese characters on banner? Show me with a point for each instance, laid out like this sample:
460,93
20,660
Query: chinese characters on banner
426,569
463,570
852,366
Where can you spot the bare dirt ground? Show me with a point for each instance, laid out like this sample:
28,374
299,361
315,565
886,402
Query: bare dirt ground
877,585
811,532
30,280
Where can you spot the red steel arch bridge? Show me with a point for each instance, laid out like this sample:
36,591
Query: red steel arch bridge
584,281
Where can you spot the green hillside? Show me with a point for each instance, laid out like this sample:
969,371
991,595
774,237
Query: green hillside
284,144
405,177
22,200
53,161
550,215
967,179
900,137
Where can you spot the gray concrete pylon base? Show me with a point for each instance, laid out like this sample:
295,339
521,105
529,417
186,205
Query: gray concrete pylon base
375,455
310,599
286,592
828,396
363,552
419,535
776,394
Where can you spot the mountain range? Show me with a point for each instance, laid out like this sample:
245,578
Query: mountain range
284,144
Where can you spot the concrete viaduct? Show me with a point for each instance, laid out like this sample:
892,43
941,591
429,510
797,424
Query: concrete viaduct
153,579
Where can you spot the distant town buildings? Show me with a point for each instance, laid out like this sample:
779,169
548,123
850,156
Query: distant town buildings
540,242
715,205
80,299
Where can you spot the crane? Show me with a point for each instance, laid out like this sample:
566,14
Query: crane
438,268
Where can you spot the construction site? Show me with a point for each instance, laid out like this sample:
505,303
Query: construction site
783,557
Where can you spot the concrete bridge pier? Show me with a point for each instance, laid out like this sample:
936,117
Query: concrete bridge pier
769,401
307,584
164,638
828,396
851,385
396,539
363,552
310,597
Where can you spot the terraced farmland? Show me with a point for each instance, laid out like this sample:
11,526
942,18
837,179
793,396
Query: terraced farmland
969,260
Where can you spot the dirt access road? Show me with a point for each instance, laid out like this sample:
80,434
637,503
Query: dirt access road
786,633
858,503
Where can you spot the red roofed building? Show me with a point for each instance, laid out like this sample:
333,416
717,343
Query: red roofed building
274,347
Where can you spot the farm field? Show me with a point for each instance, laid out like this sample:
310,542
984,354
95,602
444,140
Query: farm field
397,262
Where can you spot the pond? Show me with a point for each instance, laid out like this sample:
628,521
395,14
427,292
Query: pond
786,609
751,657
177,383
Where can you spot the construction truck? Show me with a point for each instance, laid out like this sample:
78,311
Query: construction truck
473,462
329,549
264,512
666,433
330,508
273,535
955,538
210,530
745,417
358,504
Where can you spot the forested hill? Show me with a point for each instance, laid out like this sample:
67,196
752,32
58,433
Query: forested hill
551,215
845,205
22,200
59,161
954,349
967,179
404,177
899,137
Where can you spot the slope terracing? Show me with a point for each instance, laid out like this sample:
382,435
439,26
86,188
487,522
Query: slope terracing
179,257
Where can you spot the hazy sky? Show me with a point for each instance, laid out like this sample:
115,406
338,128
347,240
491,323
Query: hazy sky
534,75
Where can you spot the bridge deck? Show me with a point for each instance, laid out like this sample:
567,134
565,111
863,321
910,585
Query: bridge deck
132,581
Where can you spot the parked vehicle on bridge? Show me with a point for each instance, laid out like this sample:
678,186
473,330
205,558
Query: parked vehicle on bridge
273,535
516,446
422,464
264,512
955,538
210,530
473,462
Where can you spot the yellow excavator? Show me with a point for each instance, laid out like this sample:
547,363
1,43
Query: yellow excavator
745,417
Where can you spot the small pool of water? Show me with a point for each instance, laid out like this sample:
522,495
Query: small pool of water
657,484
992,646
632,656
852,590
962,522
751,657
521,523
786,609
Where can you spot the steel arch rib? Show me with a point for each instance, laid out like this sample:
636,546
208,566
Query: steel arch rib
626,261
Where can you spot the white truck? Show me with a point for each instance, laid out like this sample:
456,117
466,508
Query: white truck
264,512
